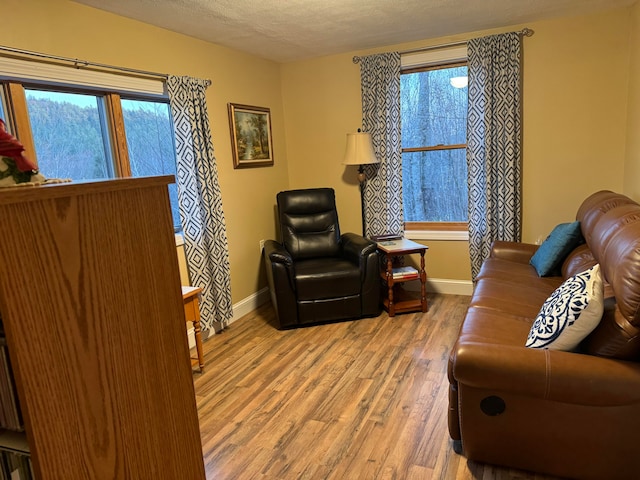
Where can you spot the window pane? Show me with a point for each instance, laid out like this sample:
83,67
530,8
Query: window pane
433,111
69,134
149,132
435,186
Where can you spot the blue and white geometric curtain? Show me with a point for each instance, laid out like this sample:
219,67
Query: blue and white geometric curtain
494,143
380,84
200,201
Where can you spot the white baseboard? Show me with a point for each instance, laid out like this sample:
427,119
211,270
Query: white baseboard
444,285
249,304
252,302
240,309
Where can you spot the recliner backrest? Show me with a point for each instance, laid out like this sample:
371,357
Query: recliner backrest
309,222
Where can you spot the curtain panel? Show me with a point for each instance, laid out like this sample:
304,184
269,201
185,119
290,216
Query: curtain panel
200,201
380,85
494,143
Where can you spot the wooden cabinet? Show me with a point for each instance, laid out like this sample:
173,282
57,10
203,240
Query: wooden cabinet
91,304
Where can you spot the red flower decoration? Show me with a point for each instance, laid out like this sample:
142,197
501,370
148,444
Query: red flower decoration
12,148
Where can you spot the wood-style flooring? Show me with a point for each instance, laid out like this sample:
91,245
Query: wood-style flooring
363,399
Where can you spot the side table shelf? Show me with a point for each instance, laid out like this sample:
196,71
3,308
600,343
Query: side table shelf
397,299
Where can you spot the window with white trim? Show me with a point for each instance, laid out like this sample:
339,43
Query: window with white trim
433,90
87,125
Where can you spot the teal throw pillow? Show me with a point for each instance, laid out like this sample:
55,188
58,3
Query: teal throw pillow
561,241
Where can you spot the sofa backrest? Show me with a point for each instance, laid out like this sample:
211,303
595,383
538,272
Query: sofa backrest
610,224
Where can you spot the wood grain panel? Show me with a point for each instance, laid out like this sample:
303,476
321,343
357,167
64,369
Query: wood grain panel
93,315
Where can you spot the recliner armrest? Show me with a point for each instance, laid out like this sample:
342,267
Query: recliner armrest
280,277
356,247
277,253
282,270
547,374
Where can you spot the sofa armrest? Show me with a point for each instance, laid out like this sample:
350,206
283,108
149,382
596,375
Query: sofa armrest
513,251
547,374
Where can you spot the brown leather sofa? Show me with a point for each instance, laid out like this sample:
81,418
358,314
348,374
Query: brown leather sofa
567,414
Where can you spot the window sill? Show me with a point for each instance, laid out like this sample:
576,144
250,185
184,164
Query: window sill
461,236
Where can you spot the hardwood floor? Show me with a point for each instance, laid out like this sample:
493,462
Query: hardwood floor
364,399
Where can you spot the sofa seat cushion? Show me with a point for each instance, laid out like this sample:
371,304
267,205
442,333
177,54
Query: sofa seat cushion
322,278
483,325
505,296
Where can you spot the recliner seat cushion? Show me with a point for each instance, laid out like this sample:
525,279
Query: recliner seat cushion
321,278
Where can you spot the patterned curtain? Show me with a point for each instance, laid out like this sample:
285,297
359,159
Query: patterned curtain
380,83
200,201
493,143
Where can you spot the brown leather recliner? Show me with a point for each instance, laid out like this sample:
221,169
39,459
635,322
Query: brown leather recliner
569,414
316,274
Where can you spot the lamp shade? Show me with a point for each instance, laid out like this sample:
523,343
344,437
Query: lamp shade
359,150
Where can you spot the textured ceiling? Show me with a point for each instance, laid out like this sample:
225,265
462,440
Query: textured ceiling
290,30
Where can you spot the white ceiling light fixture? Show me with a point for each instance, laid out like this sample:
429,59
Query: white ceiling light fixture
459,82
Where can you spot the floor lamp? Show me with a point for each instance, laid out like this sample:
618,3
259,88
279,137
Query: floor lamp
360,152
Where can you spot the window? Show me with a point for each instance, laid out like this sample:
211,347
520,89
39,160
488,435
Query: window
68,135
150,143
75,129
434,169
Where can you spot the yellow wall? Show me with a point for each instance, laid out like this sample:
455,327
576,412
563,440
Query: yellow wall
576,84
68,29
575,109
632,163
574,118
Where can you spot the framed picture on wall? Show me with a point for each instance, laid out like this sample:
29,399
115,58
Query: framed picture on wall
251,143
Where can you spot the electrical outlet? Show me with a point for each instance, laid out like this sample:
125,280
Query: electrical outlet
261,246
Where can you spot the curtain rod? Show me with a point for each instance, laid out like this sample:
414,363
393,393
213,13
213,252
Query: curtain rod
525,32
83,63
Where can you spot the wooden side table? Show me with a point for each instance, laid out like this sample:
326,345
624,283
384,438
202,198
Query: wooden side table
398,300
191,300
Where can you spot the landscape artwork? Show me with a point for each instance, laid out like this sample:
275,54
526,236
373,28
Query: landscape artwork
250,136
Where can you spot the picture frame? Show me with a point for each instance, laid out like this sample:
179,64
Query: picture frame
251,140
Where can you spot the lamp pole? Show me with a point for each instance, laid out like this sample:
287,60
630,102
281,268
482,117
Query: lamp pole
361,179
360,152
